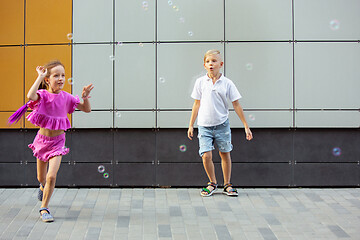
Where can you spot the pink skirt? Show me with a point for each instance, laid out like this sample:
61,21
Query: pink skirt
45,147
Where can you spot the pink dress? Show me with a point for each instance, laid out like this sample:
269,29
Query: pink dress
50,111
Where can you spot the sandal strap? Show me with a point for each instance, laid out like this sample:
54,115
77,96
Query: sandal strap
227,186
214,185
206,190
44,209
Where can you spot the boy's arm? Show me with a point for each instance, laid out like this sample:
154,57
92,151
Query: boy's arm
194,113
239,111
85,105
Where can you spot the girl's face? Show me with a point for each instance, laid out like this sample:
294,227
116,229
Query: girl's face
213,64
56,79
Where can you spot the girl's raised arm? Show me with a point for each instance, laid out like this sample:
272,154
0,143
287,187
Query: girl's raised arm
32,95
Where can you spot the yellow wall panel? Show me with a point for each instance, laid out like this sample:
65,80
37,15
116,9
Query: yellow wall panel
4,116
12,22
12,78
48,21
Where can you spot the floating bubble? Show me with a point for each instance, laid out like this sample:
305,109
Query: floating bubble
181,19
336,151
334,25
117,114
101,169
170,3
249,66
141,44
106,175
112,58
182,148
69,36
162,80
176,9
252,117
70,81
190,33
145,4
120,44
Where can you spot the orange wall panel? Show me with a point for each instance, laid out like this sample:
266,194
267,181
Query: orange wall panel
4,116
40,55
12,22
12,78
48,21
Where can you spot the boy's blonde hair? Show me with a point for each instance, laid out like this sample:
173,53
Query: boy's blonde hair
212,52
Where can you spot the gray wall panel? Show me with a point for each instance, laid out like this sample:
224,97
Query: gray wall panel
314,145
12,146
12,174
261,174
267,146
329,174
134,146
92,146
134,174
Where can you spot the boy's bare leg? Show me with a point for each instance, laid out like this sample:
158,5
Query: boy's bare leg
54,165
226,166
209,166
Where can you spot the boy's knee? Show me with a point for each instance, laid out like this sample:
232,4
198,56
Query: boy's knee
207,156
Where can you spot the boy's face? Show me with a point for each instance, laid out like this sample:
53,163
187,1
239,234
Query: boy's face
213,64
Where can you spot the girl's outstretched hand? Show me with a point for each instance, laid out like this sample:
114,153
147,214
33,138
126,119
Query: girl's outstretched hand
86,91
41,71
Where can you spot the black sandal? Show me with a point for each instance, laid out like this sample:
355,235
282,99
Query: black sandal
232,192
206,192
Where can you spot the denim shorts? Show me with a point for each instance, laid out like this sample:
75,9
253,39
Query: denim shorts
220,135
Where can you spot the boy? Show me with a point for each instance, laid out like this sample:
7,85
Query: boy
211,93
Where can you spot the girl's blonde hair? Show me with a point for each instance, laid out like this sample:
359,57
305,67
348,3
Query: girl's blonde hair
211,52
50,65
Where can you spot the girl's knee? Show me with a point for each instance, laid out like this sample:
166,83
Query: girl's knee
50,178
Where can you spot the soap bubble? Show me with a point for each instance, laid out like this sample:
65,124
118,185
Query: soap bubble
182,148
249,66
190,33
170,2
181,19
141,44
336,151
145,5
176,8
117,114
70,81
120,44
101,169
162,80
112,58
252,117
69,36
106,175
334,25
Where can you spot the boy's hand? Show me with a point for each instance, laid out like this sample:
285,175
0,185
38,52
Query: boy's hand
249,135
41,71
86,91
190,132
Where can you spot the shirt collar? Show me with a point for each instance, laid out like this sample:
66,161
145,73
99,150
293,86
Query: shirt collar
220,78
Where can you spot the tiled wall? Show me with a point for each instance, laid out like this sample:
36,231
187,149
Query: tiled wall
296,63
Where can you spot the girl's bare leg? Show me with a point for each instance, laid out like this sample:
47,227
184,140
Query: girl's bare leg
54,165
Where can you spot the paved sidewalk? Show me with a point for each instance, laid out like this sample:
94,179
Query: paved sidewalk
182,214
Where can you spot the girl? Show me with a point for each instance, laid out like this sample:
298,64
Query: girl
50,108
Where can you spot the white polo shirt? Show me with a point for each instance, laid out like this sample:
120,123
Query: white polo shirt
213,99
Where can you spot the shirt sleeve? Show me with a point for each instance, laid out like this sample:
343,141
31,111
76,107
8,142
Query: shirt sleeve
196,93
73,101
35,104
233,92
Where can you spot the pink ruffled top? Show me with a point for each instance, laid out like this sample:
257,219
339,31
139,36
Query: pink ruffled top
51,109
